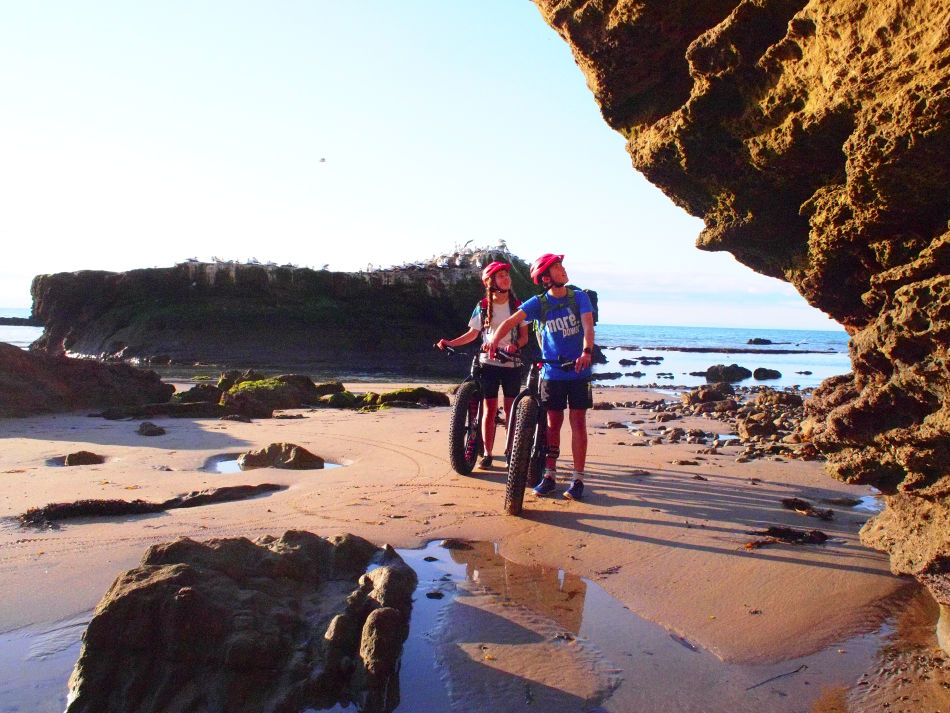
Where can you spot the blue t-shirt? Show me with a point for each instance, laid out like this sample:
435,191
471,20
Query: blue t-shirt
562,334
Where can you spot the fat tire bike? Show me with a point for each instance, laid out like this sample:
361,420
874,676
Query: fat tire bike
528,437
465,426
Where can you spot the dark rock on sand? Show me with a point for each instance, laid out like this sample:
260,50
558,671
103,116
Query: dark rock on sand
199,393
32,382
281,455
83,458
249,627
417,395
763,374
173,409
53,512
147,428
711,392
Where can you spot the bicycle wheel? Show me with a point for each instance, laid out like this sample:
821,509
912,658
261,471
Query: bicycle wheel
519,463
465,436
538,456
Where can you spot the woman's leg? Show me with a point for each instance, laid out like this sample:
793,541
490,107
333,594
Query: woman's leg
508,402
489,416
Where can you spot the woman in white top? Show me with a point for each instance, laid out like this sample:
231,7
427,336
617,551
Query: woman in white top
499,303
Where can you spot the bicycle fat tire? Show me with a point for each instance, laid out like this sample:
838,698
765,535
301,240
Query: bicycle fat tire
538,454
526,424
465,435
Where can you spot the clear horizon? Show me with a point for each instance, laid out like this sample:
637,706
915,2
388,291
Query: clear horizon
315,132
25,312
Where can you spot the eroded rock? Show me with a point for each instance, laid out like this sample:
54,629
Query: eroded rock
813,139
248,627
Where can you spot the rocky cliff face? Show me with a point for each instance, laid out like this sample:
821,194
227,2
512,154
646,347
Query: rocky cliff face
813,138
256,315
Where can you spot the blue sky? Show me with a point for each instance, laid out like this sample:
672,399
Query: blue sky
315,132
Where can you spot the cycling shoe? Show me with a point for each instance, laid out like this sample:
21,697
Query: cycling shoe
576,491
546,486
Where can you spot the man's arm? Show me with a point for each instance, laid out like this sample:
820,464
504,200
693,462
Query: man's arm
584,360
503,329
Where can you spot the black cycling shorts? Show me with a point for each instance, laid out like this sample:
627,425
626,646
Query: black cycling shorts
559,395
492,376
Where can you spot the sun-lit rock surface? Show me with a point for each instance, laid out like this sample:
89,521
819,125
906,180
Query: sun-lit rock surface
813,138
257,626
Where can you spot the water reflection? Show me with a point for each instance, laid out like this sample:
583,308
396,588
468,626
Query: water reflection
549,591
490,634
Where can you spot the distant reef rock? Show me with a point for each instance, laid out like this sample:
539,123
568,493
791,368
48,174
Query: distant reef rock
240,314
813,139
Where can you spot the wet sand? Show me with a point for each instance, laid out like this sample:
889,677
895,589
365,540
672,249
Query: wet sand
666,545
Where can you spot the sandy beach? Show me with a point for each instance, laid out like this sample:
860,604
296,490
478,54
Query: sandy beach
666,541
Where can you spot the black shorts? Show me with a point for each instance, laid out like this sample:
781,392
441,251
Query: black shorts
492,376
575,393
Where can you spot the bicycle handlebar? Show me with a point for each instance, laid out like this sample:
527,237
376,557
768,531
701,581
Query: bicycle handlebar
504,356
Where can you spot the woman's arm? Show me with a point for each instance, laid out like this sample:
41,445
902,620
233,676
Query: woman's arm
469,336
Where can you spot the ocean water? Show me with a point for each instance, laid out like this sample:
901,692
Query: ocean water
18,336
823,353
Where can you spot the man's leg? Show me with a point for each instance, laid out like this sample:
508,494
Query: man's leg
581,400
578,420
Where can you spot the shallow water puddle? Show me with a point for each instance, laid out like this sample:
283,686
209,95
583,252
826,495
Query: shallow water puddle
35,663
228,463
873,503
487,633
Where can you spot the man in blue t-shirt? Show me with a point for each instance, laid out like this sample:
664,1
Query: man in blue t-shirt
566,323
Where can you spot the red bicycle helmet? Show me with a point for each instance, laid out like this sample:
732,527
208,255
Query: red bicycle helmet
540,266
493,267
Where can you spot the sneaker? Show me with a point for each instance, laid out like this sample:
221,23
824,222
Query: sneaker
546,486
485,462
576,491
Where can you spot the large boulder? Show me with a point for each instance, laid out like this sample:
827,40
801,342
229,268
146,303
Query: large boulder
813,139
33,382
248,627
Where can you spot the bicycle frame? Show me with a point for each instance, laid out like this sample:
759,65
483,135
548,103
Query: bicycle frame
530,390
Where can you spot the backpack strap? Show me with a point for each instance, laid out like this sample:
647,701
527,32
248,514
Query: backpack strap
546,305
